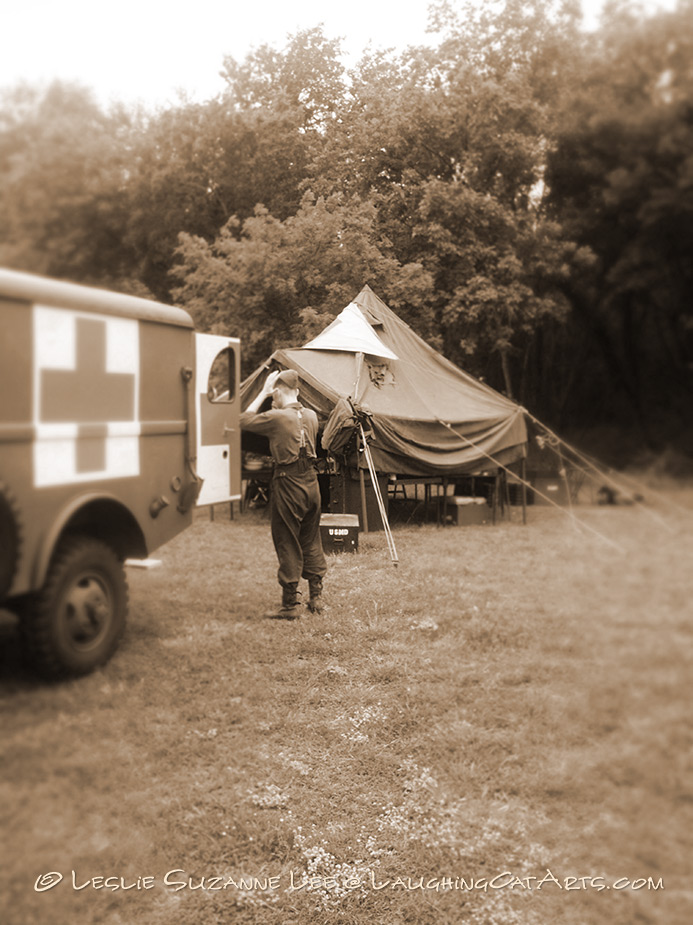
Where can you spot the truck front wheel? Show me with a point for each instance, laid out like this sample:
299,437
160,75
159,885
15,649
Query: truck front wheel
75,622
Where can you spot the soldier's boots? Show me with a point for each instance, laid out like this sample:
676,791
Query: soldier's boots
315,600
290,608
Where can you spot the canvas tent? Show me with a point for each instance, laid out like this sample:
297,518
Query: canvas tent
427,416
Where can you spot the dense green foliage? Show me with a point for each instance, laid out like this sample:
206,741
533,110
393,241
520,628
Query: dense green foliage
521,193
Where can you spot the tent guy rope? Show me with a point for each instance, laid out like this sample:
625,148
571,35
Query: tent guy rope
614,482
500,465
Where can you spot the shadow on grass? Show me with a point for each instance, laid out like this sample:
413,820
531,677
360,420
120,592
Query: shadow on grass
15,674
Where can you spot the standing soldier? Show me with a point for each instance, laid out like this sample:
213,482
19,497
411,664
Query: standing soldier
295,502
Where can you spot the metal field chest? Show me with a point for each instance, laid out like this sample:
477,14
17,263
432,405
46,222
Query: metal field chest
339,532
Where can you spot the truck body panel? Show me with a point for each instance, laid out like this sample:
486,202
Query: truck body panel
115,419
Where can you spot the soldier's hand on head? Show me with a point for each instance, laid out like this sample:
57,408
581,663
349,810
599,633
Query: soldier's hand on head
270,381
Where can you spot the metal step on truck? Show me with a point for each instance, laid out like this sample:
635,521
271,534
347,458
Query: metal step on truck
116,420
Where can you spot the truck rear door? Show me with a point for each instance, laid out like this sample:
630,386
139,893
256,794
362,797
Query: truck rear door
218,435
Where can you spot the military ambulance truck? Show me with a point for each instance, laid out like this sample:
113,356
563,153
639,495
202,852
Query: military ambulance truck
116,420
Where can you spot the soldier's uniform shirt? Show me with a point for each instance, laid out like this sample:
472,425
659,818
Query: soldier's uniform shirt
295,498
283,428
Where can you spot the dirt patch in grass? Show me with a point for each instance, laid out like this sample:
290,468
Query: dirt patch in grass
510,704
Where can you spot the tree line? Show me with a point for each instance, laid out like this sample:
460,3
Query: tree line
520,192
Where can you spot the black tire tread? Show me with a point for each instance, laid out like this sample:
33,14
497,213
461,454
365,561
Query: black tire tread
39,616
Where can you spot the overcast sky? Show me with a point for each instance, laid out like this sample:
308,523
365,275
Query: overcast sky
148,49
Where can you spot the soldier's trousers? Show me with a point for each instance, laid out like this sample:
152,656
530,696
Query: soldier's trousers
295,507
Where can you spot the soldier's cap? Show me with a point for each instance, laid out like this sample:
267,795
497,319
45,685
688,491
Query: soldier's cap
288,378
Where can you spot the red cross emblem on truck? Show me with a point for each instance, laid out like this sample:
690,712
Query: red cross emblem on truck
88,395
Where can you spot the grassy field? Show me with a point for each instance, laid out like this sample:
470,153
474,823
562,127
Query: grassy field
511,705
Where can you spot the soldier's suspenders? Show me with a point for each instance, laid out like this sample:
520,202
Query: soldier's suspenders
304,462
303,444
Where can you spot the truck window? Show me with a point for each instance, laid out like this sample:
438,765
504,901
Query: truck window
221,386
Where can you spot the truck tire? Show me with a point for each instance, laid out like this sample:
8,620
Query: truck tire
9,541
75,622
